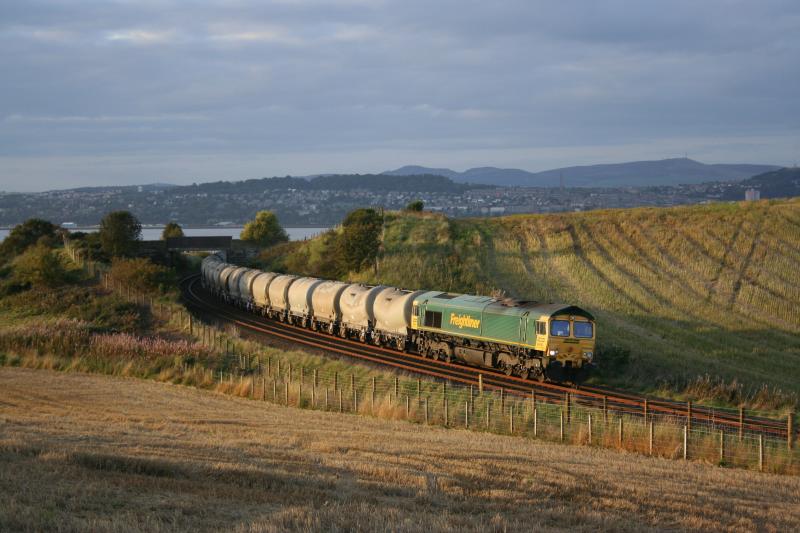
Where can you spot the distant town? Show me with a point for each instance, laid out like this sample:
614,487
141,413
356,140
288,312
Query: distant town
324,201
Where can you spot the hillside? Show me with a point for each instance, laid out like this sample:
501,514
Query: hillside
783,183
689,291
83,452
631,174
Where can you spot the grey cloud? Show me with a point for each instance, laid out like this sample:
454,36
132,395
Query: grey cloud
283,87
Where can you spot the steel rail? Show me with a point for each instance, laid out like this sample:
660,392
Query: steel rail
595,397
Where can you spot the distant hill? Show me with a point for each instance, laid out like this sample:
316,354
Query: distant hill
335,182
632,174
783,183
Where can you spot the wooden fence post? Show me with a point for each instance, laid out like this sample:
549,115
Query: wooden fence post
741,423
419,389
619,436
327,404
721,445
426,411
408,407
372,397
274,390
589,424
287,392
355,400
646,405
561,429
685,442
446,414
689,414
650,437
480,384
488,416
466,414
535,422
761,453
314,396
790,430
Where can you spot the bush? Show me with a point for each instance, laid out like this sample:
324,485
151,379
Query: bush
142,275
25,235
416,206
172,230
40,266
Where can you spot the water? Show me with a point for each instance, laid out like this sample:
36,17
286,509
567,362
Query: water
154,233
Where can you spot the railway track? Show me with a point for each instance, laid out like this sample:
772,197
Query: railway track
197,299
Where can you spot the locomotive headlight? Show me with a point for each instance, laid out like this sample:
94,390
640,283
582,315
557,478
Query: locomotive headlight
588,356
553,352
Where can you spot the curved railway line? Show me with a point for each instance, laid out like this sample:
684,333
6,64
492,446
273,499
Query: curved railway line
196,298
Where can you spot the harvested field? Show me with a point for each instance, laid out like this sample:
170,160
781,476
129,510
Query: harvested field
88,452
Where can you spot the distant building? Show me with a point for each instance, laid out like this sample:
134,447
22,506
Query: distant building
751,195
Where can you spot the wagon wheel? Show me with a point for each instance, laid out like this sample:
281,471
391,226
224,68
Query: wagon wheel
524,374
541,377
508,370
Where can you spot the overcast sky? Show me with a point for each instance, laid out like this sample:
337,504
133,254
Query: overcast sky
141,91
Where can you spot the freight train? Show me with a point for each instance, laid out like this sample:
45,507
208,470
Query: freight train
531,340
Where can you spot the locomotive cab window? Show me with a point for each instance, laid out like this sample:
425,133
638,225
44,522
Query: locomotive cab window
433,319
541,327
583,330
559,328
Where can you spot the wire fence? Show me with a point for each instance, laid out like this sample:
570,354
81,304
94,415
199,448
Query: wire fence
245,370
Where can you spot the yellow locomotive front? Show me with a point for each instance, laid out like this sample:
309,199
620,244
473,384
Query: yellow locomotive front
567,341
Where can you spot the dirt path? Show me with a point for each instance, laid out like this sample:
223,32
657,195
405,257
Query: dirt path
84,452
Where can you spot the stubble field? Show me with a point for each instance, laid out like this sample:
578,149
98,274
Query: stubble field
88,452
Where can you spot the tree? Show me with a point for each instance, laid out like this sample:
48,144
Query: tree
172,231
40,266
265,230
142,274
119,231
416,206
27,234
360,238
